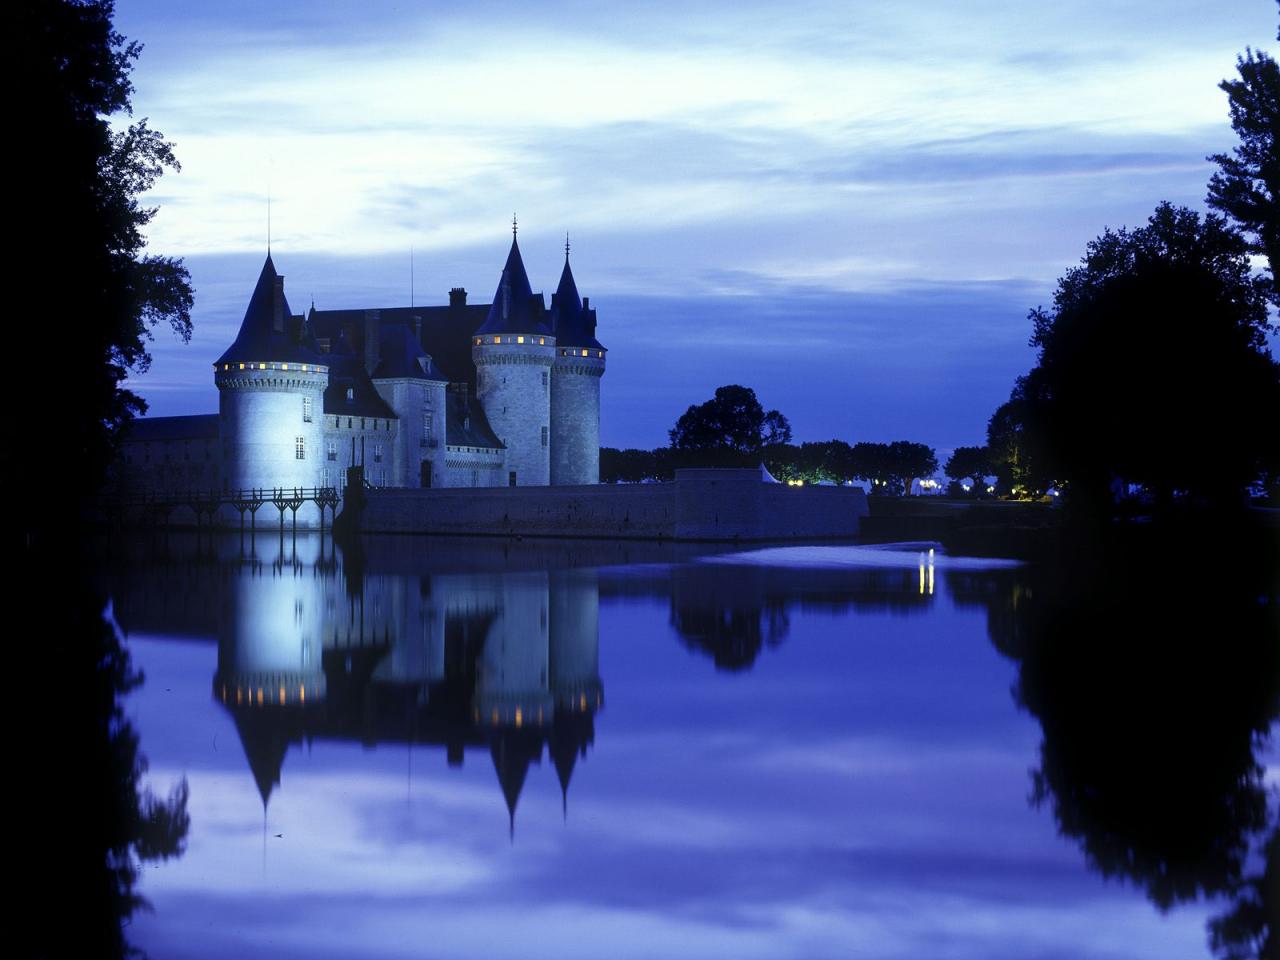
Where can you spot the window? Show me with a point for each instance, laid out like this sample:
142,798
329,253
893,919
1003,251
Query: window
511,479
544,378
377,453
331,450
300,448
324,476
544,436
351,394
306,409
362,423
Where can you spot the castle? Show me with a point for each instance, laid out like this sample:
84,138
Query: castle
464,395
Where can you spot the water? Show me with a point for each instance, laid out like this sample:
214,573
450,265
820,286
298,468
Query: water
460,749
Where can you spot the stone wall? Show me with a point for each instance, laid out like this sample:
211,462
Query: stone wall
719,505
513,386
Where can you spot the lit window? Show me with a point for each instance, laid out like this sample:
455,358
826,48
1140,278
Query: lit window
242,366
542,341
300,448
497,339
284,366
306,409
304,368
519,339
226,366
262,366
600,354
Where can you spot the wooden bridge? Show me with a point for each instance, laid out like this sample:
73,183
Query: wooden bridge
158,507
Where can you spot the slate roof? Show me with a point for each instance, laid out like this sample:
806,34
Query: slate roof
465,423
202,426
515,308
260,337
574,326
401,356
346,372
446,333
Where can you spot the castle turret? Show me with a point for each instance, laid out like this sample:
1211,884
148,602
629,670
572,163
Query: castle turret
513,352
271,383
575,385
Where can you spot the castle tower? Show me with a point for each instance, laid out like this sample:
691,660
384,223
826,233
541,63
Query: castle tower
575,385
513,351
271,384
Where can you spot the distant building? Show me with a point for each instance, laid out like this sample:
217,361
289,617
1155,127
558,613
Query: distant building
461,395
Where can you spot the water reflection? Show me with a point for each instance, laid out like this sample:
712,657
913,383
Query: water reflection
1152,662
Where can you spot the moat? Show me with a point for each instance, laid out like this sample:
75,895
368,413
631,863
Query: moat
443,747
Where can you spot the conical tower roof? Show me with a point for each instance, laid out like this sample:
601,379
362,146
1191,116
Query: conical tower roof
573,325
513,751
268,331
516,308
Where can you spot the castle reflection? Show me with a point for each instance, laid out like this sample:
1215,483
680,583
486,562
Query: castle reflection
460,645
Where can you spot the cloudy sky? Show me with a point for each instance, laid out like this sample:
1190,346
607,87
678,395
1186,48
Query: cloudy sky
849,207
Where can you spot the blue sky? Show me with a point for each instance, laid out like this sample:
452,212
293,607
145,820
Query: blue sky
848,207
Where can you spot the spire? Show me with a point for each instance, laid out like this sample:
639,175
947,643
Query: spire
515,308
265,333
566,246
513,227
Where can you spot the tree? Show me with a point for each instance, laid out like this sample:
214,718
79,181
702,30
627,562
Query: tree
89,294
1246,186
909,461
970,463
732,420
1152,366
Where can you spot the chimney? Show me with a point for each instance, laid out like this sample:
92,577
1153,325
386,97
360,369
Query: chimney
417,329
372,339
586,303
458,297
277,305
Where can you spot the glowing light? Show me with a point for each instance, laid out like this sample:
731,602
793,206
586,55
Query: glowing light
282,694
519,717
284,366
922,575
259,696
519,339
497,339
542,341
242,366
262,366
302,693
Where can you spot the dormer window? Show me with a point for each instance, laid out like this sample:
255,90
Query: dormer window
351,394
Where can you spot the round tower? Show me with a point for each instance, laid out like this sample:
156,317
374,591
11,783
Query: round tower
575,385
271,384
513,352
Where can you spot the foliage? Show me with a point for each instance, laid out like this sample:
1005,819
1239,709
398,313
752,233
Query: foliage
82,259
1152,368
1246,186
733,419
970,463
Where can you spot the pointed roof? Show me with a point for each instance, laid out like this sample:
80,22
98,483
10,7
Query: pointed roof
516,308
269,332
513,751
573,325
402,357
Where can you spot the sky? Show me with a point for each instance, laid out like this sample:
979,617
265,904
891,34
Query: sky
849,207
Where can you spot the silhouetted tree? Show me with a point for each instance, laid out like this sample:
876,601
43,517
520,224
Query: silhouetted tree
970,463
732,420
1246,186
88,294
1153,366
910,461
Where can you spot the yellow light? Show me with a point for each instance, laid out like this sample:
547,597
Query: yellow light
282,693
922,576
226,366
542,341
239,696
519,717
262,366
242,366
497,339
600,354
582,702
304,368
259,696
302,693
519,339
284,366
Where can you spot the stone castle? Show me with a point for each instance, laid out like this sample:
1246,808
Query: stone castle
464,395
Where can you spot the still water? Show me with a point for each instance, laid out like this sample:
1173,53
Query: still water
461,749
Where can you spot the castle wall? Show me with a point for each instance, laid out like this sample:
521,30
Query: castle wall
352,440
170,464
421,406
474,467
709,505
575,418
513,385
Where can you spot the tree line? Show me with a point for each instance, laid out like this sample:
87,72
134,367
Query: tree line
732,429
